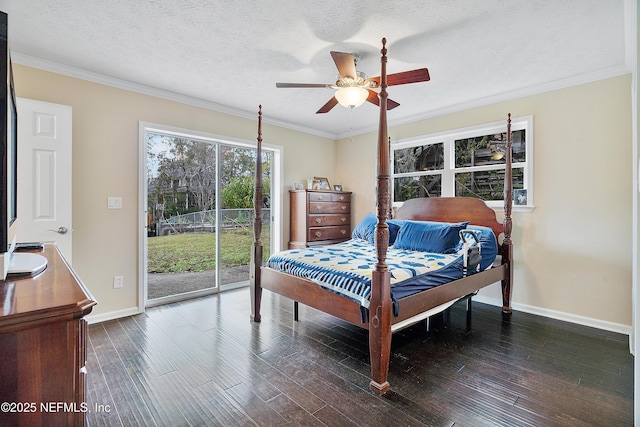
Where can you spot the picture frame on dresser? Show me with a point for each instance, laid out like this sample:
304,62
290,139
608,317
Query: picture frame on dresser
323,183
337,187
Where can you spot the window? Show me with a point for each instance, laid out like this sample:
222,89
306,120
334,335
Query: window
468,162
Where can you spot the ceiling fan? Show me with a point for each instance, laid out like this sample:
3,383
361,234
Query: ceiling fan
353,87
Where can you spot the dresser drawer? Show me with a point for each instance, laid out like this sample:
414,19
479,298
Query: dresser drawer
328,233
328,208
319,217
330,197
325,220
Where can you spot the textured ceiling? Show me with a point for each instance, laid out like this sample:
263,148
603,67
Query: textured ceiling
231,53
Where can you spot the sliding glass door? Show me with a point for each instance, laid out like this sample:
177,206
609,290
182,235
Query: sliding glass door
199,214
237,170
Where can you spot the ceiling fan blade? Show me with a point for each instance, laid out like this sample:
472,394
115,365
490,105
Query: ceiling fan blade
345,63
375,100
406,77
328,106
303,85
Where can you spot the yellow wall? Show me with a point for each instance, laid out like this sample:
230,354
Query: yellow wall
573,252
105,163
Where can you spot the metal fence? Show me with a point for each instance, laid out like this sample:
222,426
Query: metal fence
205,221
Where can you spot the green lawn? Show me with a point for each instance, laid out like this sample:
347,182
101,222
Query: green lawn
195,252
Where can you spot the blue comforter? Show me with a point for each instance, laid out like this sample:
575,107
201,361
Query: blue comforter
346,268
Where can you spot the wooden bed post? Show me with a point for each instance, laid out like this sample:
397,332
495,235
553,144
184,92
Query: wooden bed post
380,309
256,252
507,244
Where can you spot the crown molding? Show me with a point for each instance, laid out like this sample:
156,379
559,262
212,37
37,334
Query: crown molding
630,33
78,73
502,97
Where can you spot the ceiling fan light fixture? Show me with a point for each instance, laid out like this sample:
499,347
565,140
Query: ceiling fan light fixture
351,97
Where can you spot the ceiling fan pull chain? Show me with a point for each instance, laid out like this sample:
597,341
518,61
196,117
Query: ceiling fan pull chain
351,124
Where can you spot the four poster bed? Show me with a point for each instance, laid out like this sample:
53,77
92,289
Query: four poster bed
376,298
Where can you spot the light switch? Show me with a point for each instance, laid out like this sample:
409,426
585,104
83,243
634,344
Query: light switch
114,202
117,282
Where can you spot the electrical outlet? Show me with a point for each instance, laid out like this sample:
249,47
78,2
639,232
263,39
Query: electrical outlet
117,282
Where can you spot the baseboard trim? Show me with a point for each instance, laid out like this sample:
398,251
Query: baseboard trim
112,315
553,314
559,315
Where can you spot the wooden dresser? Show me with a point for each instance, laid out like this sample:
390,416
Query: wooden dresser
319,217
43,338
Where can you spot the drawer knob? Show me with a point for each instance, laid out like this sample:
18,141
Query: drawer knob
343,219
319,197
341,198
318,220
318,234
318,208
343,232
344,208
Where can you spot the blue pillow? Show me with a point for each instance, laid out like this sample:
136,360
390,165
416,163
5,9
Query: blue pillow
427,236
394,229
366,229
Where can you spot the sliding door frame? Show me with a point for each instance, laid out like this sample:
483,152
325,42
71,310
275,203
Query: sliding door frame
276,192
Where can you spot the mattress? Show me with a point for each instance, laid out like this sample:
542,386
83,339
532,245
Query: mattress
346,268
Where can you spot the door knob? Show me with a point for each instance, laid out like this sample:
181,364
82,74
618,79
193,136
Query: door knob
61,230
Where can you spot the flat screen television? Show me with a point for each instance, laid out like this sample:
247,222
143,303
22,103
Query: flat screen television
10,262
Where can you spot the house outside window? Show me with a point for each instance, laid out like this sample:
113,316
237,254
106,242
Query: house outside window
467,162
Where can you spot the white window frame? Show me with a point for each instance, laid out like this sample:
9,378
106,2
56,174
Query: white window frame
448,138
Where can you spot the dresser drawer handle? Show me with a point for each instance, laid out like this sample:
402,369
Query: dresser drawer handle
343,232
343,219
318,208
341,198
344,208
318,220
319,197
318,234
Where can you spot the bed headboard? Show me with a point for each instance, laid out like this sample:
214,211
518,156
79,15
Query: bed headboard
451,209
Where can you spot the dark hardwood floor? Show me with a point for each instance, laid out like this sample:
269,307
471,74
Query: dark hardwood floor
203,363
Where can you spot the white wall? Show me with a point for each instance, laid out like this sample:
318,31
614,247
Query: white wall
573,252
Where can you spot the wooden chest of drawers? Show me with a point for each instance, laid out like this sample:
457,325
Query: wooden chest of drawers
319,217
43,346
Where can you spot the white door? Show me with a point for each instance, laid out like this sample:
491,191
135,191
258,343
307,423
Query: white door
44,174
